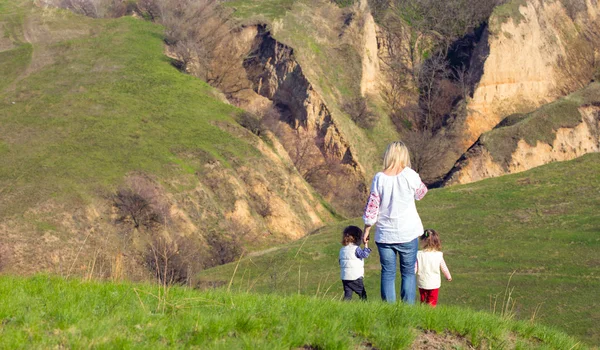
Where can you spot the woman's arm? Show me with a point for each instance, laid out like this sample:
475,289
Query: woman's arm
420,191
366,232
371,209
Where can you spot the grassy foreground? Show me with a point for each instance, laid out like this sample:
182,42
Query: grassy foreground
45,312
543,225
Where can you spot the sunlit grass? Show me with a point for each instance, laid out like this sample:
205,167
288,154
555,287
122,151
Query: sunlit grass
44,312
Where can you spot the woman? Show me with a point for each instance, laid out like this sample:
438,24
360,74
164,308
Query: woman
391,205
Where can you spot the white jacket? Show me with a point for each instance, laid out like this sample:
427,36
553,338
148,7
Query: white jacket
351,266
429,264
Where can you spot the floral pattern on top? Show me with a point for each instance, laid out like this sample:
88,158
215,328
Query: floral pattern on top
420,192
372,209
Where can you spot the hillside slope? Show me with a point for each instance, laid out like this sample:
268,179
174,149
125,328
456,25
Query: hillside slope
542,224
73,314
108,150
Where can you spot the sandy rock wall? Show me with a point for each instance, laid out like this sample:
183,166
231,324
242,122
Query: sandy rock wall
523,70
569,143
370,61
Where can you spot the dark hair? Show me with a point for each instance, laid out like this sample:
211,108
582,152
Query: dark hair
431,240
352,234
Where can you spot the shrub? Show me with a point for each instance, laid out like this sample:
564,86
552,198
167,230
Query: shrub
360,113
223,248
164,259
140,201
251,122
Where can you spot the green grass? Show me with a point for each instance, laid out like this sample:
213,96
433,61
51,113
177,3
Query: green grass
264,9
45,312
106,104
505,12
542,223
13,62
538,126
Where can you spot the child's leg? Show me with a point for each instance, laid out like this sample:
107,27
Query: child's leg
423,294
360,289
347,290
357,287
432,298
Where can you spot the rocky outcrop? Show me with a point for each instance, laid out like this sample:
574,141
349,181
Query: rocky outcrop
277,75
539,52
369,83
526,143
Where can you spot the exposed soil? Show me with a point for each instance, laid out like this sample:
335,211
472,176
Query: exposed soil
432,340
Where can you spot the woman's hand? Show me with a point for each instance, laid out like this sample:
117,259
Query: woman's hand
366,235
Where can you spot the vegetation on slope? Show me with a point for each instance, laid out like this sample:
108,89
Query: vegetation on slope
43,312
89,106
541,224
96,113
540,125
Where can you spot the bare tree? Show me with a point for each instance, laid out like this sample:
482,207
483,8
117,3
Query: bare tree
140,201
463,78
426,149
174,260
200,33
360,113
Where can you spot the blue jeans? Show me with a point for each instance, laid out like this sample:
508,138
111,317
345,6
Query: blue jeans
408,258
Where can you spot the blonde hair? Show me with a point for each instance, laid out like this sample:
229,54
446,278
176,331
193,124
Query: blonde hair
396,154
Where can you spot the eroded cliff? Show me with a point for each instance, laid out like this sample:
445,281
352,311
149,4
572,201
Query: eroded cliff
562,130
538,52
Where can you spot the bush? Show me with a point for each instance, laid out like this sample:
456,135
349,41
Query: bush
251,122
360,113
171,261
140,201
223,248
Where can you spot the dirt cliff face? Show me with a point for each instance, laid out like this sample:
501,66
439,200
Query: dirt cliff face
535,56
498,153
370,61
277,75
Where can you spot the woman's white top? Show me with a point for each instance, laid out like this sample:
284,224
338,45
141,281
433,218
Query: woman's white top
429,264
391,206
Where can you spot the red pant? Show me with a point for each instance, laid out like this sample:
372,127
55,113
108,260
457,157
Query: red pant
429,296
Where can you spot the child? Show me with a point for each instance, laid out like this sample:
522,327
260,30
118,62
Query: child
352,264
430,260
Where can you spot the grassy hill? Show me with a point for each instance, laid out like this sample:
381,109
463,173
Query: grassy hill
542,225
44,312
89,106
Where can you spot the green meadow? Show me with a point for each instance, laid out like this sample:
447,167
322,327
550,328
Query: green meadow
92,100
542,227
50,312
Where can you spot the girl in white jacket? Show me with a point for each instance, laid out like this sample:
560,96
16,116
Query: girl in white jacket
430,260
352,265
